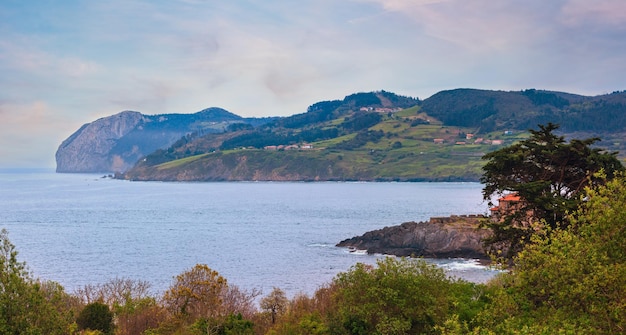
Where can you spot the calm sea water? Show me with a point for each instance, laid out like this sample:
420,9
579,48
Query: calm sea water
81,229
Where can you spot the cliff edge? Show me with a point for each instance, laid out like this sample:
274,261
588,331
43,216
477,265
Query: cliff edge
115,143
443,237
88,149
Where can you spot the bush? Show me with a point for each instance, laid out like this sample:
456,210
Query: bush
96,316
397,297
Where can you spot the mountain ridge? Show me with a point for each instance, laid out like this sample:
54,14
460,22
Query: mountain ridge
117,142
378,136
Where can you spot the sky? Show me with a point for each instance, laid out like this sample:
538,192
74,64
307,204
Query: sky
64,63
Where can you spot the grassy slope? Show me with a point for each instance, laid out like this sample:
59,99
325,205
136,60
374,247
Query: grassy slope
406,152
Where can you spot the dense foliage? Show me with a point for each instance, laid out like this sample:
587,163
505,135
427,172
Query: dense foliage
545,98
524,109
360,139
361,121
261,139
316,113
571,280
96,316
549,174
28,306
396,297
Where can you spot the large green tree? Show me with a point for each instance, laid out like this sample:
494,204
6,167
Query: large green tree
549,174
571,281
28,306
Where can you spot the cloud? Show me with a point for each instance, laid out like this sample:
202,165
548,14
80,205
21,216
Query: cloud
84,60
30,134
76,67
148,94
22,55
478,27
597,13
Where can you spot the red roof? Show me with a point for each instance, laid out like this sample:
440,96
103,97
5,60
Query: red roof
510,197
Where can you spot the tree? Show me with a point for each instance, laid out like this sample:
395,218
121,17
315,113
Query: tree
236,301
549,175
28,306
196,293
231,325
13,287
275,303
96,316
571,281
134,310
304,315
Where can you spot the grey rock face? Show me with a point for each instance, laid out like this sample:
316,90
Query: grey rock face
115,143
452,237
89,148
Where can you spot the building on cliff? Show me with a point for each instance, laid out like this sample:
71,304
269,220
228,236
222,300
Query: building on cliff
509,205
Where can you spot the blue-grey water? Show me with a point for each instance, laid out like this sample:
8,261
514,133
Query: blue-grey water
79,229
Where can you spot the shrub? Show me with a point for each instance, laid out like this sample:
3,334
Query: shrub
96,316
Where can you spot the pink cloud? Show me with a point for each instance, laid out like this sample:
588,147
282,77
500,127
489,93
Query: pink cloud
31,133
598,12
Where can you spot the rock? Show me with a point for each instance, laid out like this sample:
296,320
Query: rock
446,237
88,149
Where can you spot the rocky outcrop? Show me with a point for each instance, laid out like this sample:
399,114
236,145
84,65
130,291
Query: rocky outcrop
446,237
88,149
115,143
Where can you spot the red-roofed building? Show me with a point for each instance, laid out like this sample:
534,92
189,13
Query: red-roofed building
508,204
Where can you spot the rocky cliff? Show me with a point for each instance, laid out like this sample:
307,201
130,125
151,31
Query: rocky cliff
448,237
89,148
115,143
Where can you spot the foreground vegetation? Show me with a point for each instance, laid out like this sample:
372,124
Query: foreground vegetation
567,275
568,281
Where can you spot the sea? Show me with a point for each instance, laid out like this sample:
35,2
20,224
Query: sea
88,229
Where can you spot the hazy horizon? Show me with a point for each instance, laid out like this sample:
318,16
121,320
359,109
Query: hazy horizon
68,63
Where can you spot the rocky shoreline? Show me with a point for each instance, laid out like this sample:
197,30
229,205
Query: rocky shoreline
441,237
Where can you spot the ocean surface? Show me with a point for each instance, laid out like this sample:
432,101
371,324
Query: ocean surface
79,229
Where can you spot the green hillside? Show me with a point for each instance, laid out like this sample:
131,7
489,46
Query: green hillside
384,137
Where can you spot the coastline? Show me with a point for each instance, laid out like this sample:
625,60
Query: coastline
456,236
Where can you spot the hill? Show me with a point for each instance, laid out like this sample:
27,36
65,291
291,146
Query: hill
117,142
602,116
367,136
498,110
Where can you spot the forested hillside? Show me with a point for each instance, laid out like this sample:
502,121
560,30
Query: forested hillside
500,110
383,136
365,136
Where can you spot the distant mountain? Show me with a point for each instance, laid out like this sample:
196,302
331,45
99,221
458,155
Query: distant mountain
521,110
365,136
383,136
117,142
